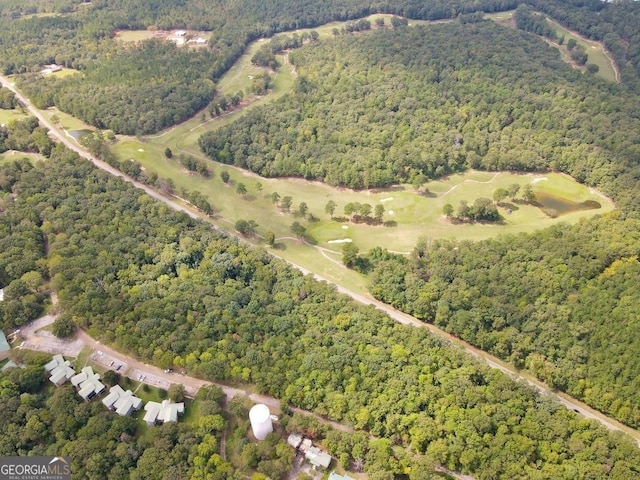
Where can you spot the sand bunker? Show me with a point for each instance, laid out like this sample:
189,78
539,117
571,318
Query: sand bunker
141,149
345,227
388,199
539,179
341,240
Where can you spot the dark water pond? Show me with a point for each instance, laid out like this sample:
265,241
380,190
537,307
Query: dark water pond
78,133
562,206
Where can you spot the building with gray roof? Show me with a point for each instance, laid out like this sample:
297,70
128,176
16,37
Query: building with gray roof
162,412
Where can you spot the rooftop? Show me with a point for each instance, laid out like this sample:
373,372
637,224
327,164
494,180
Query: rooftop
84,374
60,370
122,402
56,361
162,412
337,476
318,458
4,345
88,383
294,440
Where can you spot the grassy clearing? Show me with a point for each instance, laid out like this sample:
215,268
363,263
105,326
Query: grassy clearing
12,155
595,50
191,411
7,116
83,359
126,36
66,121
500,17
65,72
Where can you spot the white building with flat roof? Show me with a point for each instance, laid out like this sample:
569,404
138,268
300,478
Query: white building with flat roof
88,384
121,401
162,412
60,370
84,374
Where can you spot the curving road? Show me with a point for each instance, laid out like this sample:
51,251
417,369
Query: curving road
566,400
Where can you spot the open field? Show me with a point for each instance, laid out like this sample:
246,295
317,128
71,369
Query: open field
12,155
65,72
595,50
6,116
66,121
500,17
126,36
130,36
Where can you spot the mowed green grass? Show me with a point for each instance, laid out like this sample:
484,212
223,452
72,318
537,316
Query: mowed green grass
7,116
595,51
66,121
65,72
8,157
500,17
134,35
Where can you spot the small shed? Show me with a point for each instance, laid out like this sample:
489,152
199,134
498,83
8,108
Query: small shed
294,440
305,445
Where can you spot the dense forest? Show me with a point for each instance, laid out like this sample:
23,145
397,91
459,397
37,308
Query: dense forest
171,290
22,245
161,83
561,302
386,107
81,36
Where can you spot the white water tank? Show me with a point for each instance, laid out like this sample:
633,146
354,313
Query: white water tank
260,418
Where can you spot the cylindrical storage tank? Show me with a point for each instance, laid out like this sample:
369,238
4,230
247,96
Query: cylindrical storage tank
260,418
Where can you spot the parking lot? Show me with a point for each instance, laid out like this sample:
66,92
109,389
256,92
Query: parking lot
108,361
148,378
45,341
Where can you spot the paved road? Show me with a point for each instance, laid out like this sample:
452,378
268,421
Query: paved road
566,400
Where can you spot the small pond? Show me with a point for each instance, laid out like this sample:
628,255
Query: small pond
76,134
562,206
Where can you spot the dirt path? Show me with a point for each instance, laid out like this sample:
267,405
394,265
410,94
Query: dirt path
469,180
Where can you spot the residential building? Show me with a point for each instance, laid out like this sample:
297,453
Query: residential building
162,412
122,402
318,458
88,384
60,370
